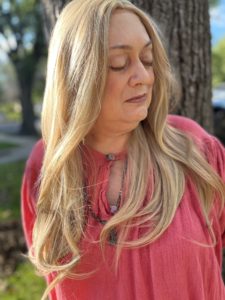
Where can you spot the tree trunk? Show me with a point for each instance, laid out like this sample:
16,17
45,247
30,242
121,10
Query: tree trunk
185,25
25,86
25,71
51,10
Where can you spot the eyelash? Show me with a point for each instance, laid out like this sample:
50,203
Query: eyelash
117,69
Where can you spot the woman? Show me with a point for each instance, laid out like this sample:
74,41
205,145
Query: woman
120,200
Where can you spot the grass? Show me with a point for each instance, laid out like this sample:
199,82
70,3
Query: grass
6,145
10,183
24,284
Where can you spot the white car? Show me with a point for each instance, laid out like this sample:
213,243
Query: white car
218,99
218,103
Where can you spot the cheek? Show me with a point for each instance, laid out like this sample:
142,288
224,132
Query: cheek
113,95
113,87
152,75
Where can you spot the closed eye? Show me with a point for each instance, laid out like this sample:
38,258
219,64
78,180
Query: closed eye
148,63
121,68
117,69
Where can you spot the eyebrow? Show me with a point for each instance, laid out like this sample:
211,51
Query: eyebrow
127,47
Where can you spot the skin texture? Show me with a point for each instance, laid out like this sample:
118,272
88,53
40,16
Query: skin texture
130,74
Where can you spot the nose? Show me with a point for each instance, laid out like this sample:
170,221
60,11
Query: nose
141,75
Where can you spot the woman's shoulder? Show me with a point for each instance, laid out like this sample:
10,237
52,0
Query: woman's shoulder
188,125
29,189
35,159
207,143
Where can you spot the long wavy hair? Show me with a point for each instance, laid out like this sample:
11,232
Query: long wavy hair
76,74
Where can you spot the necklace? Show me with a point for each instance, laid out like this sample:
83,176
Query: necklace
112,239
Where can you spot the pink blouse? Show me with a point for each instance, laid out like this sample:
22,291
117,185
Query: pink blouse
173,267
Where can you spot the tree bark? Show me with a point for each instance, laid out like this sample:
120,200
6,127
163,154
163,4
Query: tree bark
25,84
51,10
185,25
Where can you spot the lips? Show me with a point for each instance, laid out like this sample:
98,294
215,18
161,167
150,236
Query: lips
137,99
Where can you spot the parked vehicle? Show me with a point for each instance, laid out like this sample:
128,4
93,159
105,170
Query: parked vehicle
218,98
218,103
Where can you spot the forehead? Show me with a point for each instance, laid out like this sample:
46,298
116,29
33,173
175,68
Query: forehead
126,28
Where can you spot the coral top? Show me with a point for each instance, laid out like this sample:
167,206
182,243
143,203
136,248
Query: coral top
174,267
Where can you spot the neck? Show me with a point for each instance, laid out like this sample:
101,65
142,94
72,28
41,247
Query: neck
106,143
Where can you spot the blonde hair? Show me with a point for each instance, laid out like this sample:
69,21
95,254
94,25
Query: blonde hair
76,76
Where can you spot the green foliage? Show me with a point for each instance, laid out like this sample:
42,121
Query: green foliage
20,24
218,62
23,40
6,146
213,3
11,111
21,27
8,82
24,284
10,183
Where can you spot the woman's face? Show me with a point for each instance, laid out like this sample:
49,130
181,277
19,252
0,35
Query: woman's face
130,77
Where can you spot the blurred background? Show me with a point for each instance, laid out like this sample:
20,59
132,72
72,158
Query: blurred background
197,36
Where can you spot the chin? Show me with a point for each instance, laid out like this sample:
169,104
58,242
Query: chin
141,117
134,122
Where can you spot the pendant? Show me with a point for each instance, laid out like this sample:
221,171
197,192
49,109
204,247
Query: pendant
113,237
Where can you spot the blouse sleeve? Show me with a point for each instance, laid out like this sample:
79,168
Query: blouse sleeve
28,202
29,190
216,157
